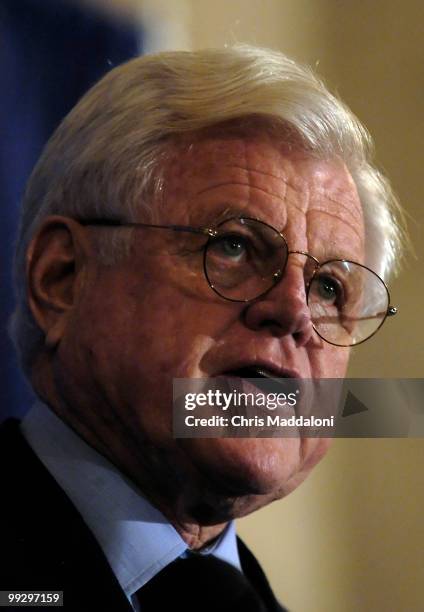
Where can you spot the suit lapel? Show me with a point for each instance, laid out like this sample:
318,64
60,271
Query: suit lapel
254,573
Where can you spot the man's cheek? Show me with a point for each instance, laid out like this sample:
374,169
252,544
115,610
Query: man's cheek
178,349
329,361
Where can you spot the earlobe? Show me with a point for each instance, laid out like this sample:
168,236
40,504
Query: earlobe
53,263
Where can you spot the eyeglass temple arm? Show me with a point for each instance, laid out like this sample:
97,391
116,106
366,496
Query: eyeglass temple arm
391,311
206,231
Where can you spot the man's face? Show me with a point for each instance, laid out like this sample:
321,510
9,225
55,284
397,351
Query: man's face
152,318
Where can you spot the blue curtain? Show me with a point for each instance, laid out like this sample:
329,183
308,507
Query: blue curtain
51,52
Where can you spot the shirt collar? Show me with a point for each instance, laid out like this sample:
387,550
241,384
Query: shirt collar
136,538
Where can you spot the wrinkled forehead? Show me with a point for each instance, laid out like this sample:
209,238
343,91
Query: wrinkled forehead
264,176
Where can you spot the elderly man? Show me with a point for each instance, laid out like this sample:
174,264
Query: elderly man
191,217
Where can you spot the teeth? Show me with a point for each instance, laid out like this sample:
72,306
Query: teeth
262,372
265,373
255,372
259,373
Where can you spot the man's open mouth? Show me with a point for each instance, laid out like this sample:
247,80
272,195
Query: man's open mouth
263,378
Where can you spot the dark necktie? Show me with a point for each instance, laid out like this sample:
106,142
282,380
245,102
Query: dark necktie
200,583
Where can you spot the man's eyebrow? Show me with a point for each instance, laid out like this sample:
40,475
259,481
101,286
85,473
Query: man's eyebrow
213,218
326,253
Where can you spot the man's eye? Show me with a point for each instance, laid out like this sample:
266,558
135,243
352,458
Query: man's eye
231,246
330,290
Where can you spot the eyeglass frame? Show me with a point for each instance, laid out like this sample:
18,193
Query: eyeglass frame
212,232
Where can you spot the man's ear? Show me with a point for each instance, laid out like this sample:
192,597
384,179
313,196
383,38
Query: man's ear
54,261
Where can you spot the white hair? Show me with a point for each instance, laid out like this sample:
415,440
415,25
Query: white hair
107,156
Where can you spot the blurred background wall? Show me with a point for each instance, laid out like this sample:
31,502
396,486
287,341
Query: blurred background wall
352,537
51,52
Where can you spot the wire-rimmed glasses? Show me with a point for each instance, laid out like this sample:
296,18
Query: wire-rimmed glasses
244,258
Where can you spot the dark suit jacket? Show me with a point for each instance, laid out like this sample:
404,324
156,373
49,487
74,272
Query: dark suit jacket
45,544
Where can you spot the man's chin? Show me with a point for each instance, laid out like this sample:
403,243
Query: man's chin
245,467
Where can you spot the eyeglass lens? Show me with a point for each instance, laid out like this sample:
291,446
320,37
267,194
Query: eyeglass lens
348,302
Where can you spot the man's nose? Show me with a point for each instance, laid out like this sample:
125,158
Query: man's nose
283,311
